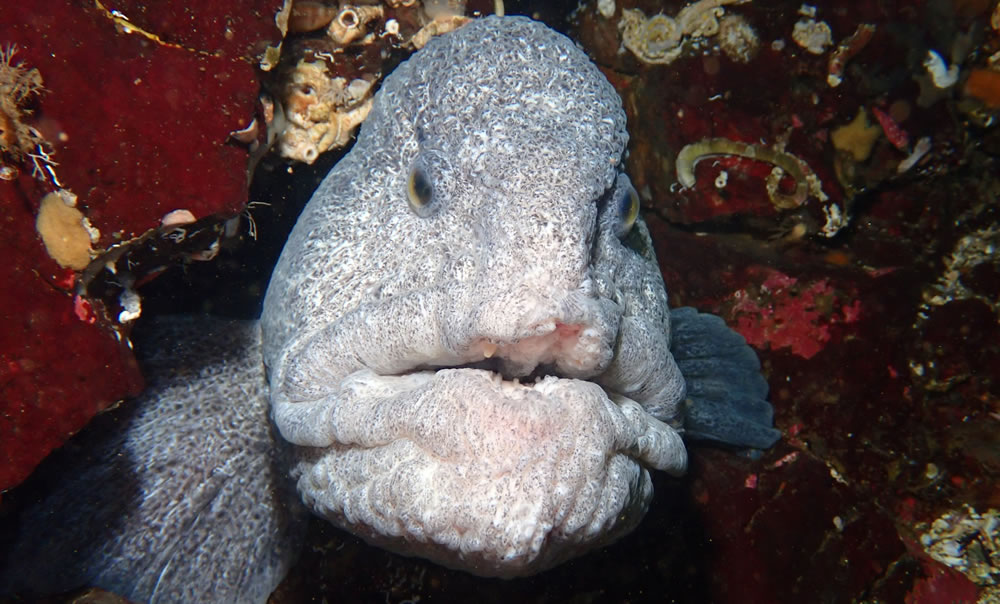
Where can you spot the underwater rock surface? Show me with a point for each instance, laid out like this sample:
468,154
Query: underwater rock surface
136,106
880,342
872,300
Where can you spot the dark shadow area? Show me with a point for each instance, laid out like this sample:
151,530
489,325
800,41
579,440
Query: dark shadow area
663,560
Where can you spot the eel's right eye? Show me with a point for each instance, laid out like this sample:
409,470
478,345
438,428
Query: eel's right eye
626,206
419,191
628,210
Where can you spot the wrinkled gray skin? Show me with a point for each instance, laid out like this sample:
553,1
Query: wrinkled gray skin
484,380
516,258
180,496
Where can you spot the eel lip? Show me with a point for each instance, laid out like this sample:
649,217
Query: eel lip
550,348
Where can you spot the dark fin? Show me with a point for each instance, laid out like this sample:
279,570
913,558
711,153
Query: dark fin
726,394
181,495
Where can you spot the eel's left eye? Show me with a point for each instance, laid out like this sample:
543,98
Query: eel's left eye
419,191
627,208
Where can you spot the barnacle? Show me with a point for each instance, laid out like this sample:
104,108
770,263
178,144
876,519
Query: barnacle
307,15
654,40
440,25
737,39
352,22
322,112
324,83
660,39
814,36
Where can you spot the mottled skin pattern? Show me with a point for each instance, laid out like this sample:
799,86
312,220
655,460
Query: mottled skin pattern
481,374
182,496
521,139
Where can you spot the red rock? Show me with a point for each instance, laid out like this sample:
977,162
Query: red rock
138,124
56,370
940,583
238,29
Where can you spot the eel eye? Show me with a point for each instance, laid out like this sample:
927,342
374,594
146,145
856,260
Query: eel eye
627,207
419,191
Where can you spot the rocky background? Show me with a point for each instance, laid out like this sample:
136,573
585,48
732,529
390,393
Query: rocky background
823,176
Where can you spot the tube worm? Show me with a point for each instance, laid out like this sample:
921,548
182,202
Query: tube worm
805,179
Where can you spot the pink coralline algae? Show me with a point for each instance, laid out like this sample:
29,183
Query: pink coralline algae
783,313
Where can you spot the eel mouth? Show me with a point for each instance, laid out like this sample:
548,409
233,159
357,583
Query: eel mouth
555,348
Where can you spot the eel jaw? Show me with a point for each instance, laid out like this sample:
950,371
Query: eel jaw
487,475
570,334
456,457
567,350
